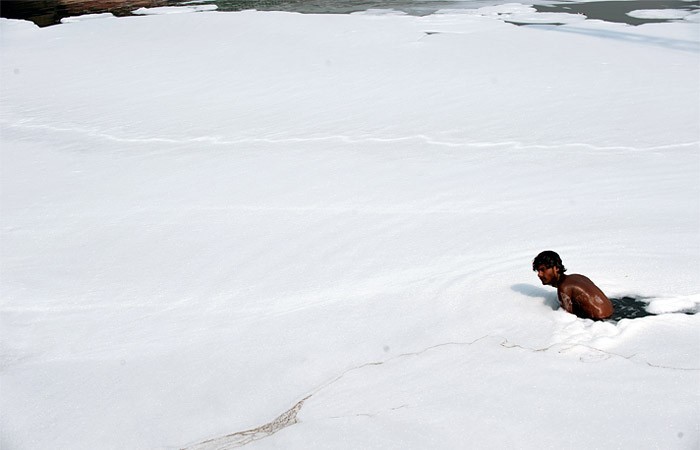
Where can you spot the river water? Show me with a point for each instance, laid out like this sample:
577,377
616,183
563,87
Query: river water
50,12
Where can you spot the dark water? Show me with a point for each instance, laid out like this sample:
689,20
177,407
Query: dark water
632,308
412,7
616,11
50,12
628,308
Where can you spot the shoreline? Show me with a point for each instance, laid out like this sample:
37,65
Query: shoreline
48,13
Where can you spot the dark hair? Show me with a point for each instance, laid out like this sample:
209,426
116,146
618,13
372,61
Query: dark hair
549,259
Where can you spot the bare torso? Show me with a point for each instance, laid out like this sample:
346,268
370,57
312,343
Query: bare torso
578,295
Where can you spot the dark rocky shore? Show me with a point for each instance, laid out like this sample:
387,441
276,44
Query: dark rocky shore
50,12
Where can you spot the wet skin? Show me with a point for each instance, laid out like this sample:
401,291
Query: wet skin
577,294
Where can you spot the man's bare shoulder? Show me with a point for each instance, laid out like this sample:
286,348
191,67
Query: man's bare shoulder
575,285
576,278
575,282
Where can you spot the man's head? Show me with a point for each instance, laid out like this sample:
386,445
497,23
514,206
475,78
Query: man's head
549,267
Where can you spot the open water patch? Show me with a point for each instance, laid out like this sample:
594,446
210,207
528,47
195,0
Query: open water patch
629,308
623,11
634,308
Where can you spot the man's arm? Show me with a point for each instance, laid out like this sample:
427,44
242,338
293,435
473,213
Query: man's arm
565,300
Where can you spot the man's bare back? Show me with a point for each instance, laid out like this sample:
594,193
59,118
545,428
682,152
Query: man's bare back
577,294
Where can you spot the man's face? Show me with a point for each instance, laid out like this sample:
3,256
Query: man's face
548,275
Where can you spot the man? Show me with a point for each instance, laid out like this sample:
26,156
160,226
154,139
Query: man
577,294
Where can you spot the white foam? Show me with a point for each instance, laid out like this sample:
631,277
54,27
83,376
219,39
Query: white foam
84,17
663,305
668,14
545,18
519,13
160,10
379,12
507,8
694,17
214,223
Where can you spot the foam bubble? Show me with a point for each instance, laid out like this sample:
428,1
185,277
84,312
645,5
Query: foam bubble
658,14
695,17
665,305
380,12
85,17
174,9
508,8
545,17
525,14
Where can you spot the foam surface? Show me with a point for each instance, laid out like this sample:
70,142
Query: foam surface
316,231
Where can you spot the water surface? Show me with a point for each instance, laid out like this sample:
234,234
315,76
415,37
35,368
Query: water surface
50,12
